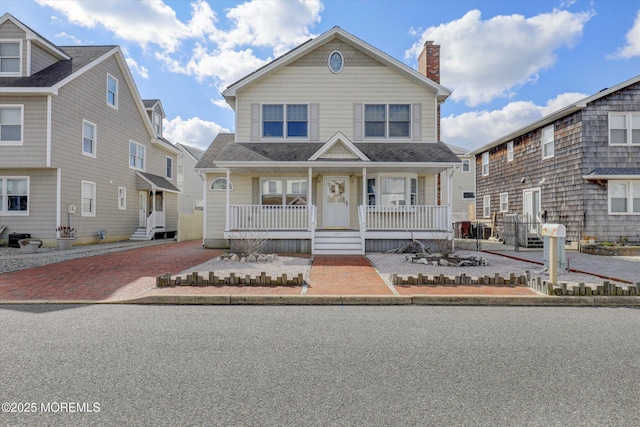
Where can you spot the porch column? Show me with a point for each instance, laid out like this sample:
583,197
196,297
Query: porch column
450,172
228,199
310,198
364,187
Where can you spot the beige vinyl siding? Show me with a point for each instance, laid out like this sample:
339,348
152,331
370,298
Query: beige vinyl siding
40,59
41,221
33,151
9,30
192,185
216,202
336,94
85,98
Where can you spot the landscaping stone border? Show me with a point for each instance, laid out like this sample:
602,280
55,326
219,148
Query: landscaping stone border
196,279
462,279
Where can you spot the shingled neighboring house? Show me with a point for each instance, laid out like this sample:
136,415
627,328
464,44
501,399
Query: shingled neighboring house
579,166
77,144
336,150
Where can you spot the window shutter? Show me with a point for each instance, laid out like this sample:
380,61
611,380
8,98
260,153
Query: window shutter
416,122
255,191
357,122
314,128
255,122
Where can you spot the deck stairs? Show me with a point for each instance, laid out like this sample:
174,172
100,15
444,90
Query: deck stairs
141,234
337,242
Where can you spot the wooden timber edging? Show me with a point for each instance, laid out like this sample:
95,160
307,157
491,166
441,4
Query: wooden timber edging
462,279
563,289
195,279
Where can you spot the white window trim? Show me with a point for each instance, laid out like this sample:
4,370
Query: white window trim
551,142
407,186
157,122
283,179
21,142
467,161
14,73
504,203
284,122
629,124
167,169
144,162
95,139
122,201
485,162
510,151
117,96
221,178
630,184
93,197
4,195
486,206
386,121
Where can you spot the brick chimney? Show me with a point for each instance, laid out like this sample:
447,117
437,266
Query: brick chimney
429,65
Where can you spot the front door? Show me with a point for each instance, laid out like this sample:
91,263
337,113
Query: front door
336,202
142,208
531,208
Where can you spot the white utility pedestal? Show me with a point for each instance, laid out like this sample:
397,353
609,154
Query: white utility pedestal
556,234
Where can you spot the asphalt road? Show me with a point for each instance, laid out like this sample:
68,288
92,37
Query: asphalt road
280,366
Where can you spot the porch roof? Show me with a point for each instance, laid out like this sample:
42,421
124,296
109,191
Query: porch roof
147,181
604,174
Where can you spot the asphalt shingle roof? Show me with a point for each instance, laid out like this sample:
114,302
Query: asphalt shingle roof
159,181
615,171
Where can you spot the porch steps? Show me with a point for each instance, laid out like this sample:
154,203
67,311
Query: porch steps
337,242
140,234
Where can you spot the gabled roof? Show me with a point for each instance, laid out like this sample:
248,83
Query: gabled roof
150,104
570,109
338,140
33,36
156,182
335,33
208,159
196,153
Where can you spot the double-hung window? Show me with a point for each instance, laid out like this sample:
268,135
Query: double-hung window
486,206
157,123
548,142
285,120
88,138
624,197
504,202
510,151
485,163
466,165
393,191
112,91
624,128
387,121
137,154
284,191
169,174
14,195
10,58
11,124
88,198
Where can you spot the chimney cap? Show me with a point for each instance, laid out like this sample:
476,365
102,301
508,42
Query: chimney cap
428,42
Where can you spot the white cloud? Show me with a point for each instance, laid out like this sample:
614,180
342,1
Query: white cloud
221,103
477,128
632,45
73,39
194,131
134,66
482,60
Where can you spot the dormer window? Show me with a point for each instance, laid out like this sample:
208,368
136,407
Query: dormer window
157,124
10,58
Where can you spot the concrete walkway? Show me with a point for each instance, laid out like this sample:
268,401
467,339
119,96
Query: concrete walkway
129,276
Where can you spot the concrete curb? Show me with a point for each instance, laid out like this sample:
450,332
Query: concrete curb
387,300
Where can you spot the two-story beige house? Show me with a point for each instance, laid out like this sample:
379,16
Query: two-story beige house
336,150
78,147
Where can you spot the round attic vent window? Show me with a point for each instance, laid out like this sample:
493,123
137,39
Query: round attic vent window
336,62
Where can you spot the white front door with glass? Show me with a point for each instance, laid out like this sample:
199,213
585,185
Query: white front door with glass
142,209
336,202
532,206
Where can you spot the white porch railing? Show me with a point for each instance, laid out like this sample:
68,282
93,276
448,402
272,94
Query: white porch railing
405,217
155,220
264,217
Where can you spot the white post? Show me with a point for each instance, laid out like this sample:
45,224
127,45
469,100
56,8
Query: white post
309,197
365,187
553,260
450,173
228,208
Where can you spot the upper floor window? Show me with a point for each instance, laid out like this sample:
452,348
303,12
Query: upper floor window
11,124
485,163
136,155
624,197
392,121
624,128
112,91
273,120
14,195
509,151
88,138
169,168
10,58
466,165
547,142
157,124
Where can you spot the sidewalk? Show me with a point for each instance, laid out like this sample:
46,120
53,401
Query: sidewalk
129,276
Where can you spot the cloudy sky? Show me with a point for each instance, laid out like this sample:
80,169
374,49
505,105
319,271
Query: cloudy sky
507,62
